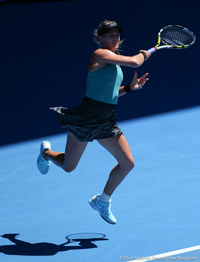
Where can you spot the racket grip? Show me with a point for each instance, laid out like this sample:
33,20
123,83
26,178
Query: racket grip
152,50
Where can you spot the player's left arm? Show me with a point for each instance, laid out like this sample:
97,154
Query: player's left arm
137,83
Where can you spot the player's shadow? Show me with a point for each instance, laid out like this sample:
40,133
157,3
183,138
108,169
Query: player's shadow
79,241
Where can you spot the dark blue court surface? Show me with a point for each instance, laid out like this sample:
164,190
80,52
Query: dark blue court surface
157,206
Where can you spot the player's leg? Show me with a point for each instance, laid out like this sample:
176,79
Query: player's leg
119,148
73,152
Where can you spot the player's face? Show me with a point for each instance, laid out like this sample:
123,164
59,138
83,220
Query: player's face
111,40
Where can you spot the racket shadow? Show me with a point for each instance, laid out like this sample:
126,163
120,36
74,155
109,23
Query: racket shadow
24,248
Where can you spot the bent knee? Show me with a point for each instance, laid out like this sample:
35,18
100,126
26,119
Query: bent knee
129,165
69,169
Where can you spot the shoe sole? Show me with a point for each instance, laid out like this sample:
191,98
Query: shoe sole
43,173
41,155
90,202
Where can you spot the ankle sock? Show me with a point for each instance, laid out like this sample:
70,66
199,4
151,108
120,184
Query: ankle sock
104,198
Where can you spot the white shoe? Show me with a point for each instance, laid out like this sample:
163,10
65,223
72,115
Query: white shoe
103,209
43,164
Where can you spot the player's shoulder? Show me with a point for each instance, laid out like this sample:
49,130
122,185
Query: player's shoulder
102,51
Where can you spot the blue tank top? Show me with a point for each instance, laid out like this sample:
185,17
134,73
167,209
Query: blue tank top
103,84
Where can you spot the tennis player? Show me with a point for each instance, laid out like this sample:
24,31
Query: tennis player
95,119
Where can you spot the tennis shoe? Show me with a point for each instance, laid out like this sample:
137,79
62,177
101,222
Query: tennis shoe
42,163
104,209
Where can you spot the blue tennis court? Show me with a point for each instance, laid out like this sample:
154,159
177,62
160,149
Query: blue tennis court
157,206
47,218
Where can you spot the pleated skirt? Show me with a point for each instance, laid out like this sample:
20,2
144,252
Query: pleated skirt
91,120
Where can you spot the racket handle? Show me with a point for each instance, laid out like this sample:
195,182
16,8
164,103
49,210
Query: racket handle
152,50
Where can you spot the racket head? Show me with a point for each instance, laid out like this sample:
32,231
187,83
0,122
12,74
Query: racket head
175,36
85,236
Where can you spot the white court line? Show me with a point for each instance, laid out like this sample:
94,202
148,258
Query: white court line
14,173
168,254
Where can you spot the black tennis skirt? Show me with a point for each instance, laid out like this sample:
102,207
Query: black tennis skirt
91,120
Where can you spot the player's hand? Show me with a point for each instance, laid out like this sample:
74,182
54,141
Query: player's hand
138,83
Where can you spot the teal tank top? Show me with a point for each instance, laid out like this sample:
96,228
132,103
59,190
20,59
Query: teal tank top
103,84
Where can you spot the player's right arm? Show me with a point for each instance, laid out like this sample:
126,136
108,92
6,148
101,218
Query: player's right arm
101,57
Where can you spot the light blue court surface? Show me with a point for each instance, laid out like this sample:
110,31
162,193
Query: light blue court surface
157,206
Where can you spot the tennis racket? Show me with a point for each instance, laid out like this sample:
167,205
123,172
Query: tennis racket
173,37
85,237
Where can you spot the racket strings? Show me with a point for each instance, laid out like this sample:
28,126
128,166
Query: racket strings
176,36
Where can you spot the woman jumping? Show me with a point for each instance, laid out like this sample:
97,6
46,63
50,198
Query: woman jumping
95,118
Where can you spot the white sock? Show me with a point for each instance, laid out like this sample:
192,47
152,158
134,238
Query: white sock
104,198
